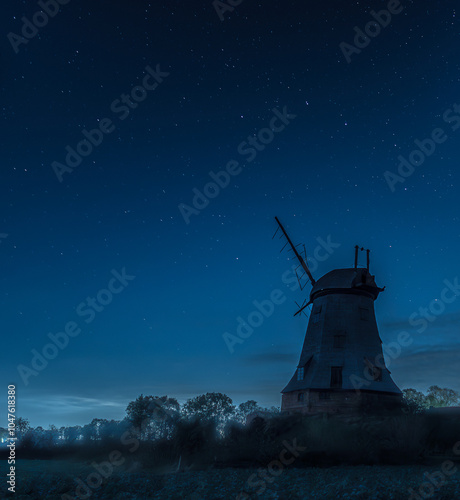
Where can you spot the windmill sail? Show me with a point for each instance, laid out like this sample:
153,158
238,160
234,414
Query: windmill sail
296,253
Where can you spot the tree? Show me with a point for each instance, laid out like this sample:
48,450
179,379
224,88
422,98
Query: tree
22,427
98,425
438,397
51,436
273,410
22,424
139,412
415,401
72,434
62,434
152,416
89,433
245,409
210,407
166,414
38,437
109,429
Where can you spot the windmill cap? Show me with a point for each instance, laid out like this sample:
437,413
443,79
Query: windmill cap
352,280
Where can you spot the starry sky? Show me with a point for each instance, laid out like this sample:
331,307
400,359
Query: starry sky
330,133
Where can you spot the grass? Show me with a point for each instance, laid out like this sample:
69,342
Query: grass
50,479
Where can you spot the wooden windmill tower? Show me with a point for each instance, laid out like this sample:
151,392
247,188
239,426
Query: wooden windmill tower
341,367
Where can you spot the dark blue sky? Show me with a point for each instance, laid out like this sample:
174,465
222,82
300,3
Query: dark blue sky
323,175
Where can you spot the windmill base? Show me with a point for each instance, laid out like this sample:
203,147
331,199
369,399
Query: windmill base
338,401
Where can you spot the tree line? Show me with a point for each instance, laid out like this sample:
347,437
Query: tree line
148,418
436,397
210,430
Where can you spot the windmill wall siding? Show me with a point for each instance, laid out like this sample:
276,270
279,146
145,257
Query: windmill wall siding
341,314
339,402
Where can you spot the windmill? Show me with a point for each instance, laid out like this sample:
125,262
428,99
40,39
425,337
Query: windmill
341,367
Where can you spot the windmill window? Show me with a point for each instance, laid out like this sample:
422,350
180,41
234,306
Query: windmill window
336,377
324,395
364,313
300,397
300,373
317,314
339,341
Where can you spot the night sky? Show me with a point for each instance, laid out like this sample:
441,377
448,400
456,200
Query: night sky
326,165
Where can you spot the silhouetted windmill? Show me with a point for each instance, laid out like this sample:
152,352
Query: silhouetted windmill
341,367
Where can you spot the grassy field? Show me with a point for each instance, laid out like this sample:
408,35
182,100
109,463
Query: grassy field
51,479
